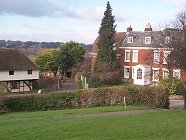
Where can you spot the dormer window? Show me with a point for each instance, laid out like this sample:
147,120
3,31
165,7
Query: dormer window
11,72
29,71
167,39
147,40
130,40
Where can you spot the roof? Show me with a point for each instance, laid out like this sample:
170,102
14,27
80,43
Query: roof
139,38
14,60
119,38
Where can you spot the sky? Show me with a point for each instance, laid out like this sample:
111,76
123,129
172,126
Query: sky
79,20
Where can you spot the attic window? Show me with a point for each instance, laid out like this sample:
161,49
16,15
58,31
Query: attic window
130,40
29,71
11,72
147,40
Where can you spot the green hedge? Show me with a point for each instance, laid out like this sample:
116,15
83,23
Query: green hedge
151,96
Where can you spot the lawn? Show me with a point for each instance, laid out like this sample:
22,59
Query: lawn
163,125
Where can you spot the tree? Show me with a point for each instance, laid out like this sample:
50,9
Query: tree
178,55
46,61
69,55
106,44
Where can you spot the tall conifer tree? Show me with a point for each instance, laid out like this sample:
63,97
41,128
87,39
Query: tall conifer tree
106,53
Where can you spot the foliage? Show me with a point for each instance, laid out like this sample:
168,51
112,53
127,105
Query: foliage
45,82
171,84
46,61
151,96
106,42
69,55
105,79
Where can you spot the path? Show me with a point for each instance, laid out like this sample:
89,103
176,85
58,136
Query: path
104,114
176,104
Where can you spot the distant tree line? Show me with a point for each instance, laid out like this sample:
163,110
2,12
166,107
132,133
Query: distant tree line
28,44
33,44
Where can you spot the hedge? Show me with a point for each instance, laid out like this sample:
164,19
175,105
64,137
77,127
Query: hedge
151,96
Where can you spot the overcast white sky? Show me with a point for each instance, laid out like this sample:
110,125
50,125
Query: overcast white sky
78,20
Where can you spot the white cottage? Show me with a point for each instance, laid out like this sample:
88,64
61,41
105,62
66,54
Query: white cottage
17,72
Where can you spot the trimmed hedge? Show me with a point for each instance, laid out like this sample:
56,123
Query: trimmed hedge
151,96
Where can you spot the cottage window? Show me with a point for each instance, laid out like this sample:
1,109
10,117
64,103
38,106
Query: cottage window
156,57
15,84
147,40
165,73
176,73
132,72
126,71
130,40
11,72
167,39
139,73
127,56
135,56
165,58
29,71
155,75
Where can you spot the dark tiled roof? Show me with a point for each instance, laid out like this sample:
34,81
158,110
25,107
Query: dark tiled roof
14,60
139,38
119,37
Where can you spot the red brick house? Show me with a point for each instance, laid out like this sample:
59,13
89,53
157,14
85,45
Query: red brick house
142,62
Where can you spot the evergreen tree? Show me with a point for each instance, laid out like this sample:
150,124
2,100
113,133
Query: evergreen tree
106,53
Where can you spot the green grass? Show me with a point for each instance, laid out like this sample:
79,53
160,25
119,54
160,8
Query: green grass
70,112
163,125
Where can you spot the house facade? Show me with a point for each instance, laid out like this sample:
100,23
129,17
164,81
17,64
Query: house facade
142,59
17,72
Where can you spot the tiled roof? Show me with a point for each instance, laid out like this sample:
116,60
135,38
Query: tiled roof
119,38
139,38
14,60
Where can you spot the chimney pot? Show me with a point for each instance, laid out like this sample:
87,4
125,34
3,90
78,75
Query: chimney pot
148,28
129,29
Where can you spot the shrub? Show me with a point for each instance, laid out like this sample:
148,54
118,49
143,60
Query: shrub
46,82
151,96
171,84
105,79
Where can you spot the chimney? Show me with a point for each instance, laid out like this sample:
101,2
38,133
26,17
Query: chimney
148,28
129,29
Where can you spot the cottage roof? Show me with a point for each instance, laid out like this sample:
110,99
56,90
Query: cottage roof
119,38
14,60
139,38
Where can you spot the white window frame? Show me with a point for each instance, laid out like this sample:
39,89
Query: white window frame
127,51
133,56
129,39
140,75
153,74
167,39
147,40
165,71
132,72
126,75
156,58
165,56
176,71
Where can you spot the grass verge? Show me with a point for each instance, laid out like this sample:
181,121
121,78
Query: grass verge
162,125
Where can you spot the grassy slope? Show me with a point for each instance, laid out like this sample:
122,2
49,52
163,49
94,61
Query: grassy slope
162,125
70,112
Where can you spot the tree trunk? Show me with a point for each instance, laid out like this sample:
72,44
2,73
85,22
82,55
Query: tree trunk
184,100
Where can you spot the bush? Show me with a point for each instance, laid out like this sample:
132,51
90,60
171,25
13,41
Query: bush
105,79
151,96
171,84
46,82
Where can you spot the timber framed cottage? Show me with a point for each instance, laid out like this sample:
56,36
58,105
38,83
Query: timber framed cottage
17,72
142,62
